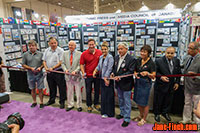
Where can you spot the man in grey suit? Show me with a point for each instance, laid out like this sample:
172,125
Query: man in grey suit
191,84
71,64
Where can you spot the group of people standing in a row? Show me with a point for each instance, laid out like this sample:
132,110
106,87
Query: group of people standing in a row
100,70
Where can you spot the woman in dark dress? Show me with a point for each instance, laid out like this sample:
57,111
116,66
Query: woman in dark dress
144,73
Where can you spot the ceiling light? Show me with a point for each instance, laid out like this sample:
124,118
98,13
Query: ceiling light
114,6
18,13
36,15
144,8
118,11
72,7
59,3
196,7
170,6
108,3
82,10
19,0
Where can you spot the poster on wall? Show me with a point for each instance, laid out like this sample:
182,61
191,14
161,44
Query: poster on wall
167,36
75,34
146,35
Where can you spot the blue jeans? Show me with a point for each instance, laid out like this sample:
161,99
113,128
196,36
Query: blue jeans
125,104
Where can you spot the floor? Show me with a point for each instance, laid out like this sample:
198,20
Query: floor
25,97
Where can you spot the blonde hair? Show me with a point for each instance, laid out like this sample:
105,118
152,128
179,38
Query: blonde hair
104,44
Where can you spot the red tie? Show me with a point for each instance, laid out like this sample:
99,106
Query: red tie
71,58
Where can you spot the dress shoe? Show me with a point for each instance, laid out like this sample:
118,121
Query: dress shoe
157,118
41,106
97,107
68,109
89,109
79,109
125,124
62,106
119,117
33,105
49,103
166,116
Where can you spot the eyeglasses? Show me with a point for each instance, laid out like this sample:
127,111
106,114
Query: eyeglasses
191,48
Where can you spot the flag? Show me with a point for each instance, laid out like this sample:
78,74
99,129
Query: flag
1,21
17,21
11,20
5,20
36,22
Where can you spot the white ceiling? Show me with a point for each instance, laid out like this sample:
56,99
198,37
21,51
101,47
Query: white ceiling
110,6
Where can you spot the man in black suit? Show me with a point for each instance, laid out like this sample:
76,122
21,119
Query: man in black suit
124,64
164,86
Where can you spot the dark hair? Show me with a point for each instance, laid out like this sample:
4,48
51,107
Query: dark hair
91,40
146,48
32,42
104,44
52,38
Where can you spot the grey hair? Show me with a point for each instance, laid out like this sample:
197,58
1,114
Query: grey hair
72,42
124,44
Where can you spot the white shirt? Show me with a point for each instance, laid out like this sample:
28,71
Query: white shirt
121,59
52,57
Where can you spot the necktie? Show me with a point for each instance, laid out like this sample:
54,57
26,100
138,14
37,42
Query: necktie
170,66
71,58
189,62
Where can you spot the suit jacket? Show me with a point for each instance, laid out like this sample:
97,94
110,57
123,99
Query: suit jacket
127,67
75,64
105,68
192,85
162,68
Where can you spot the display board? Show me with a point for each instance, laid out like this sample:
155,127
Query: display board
167,35
145,34
90,31
28,32
63,37
75,34
42,37
51,31
126,33
107,33
11,42
184,33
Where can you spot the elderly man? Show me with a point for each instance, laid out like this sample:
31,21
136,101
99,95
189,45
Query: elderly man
124,64
32,61
88,62
71,64
191,84
52,61
165,86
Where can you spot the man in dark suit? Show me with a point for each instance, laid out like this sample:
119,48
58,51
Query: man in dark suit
164,86
124,64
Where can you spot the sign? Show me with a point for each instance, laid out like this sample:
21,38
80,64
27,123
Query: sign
195,21
156,14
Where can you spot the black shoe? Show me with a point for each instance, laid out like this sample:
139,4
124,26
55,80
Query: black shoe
33,105
125,124
68,109
166,116
41,106
119,117
62,106
79,109
157,118
49,103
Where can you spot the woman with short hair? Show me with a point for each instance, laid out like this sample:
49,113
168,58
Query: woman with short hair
144,73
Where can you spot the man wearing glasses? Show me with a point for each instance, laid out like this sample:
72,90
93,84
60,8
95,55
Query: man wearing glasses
192,83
